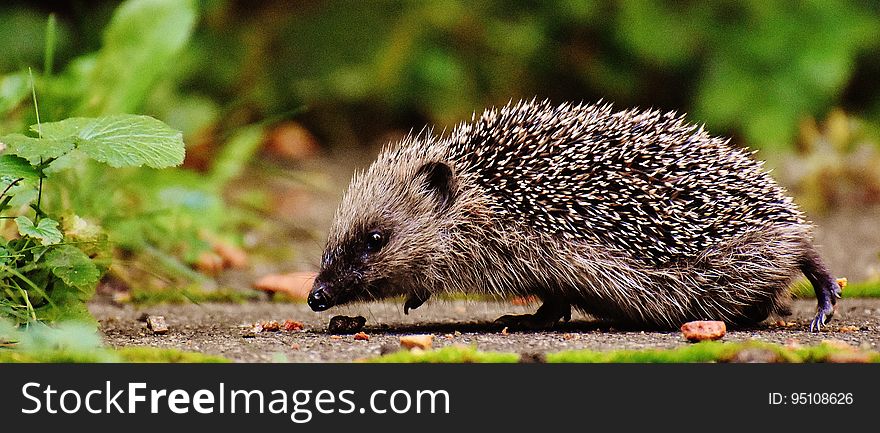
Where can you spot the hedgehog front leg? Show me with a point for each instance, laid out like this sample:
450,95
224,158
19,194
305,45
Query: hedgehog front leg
547,315
826,288
415,300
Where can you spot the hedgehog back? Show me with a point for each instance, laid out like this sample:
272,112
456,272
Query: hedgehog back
645,183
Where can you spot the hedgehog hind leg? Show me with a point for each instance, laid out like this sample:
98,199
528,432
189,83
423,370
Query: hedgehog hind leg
826,288
752,315
546,317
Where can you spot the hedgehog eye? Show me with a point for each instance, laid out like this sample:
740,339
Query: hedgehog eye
375,241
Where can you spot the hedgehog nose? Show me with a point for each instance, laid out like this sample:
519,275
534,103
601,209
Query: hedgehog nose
319,300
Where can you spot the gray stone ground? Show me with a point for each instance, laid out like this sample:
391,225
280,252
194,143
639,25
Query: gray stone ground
216,329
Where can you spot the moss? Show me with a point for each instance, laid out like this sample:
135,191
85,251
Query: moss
193,295
127,354
57,356
865,289
450,354
716,351
152,354
708,351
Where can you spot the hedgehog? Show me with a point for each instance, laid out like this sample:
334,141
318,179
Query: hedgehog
633,216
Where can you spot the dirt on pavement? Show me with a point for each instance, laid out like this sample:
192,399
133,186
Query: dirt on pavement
220,329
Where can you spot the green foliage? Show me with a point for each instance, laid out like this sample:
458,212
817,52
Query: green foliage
72,266
866,289
45,274
750,67
35,149
142,39
746,67
155,218
46,231
191,295
77,342
16,171
122,140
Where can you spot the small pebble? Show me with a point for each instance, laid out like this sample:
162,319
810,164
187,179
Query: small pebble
388,348
754,355
701,330
422,342
157,324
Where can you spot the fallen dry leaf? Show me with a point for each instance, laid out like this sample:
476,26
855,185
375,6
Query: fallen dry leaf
292,141
361,336
271,326
292,325
295,285
209,263
232,256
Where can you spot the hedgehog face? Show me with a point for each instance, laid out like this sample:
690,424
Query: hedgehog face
386,233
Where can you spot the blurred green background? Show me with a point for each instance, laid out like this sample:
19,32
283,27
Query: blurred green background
750,68
280,101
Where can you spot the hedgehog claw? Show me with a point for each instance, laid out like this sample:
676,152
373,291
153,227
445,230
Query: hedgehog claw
822,318
530,322
546,316
415,301
827,296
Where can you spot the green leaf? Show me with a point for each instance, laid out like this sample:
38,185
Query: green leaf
142,39
46,230
13,168
14,89
34,149
123,140
72,266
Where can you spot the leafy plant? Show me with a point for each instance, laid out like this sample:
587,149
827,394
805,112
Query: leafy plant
155,218
52,269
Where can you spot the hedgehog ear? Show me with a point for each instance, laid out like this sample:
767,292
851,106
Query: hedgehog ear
438,180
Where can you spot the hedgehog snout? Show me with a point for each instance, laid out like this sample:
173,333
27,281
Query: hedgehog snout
332,288
320,298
